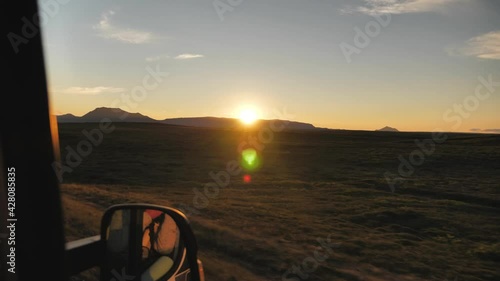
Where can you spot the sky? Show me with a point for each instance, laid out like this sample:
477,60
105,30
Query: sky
416,65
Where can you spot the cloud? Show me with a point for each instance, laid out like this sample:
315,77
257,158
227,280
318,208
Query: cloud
157,58
188,56
127,35
92,90
486,46
378,7
178,57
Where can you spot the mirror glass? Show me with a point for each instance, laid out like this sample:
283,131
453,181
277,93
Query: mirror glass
143,244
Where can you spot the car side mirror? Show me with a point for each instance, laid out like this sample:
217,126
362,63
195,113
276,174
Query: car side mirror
146,242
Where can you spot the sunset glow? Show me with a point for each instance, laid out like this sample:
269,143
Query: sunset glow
338,67
248,116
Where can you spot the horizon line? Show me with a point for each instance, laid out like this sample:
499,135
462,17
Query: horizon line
471,131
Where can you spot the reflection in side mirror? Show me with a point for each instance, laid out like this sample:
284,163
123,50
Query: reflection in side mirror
147,243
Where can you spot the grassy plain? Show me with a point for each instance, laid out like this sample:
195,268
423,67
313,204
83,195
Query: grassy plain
440,223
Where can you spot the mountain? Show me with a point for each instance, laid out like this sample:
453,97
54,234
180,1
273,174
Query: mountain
116,115
98,114
204,122
119,115
291,125
388,129
67,118
230,123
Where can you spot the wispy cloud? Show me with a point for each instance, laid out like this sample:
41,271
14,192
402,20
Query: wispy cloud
92,90
378,7
486,46
127,35
188,56
157,58
178,57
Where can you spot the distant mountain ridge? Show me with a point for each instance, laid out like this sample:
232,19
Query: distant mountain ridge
388,129
204,122
119,115
116,115
67,118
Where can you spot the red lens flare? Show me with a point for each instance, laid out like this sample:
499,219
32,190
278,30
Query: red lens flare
247,178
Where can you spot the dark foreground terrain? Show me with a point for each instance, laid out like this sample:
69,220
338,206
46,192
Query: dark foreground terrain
439,221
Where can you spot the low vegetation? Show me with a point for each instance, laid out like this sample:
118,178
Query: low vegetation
440,223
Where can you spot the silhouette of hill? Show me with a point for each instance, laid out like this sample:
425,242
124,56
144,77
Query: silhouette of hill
388,129
98,114
115,115
229,123
496,131
67,118
119,115
204,122
293,125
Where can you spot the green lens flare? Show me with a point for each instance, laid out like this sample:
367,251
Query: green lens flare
249,156
250,159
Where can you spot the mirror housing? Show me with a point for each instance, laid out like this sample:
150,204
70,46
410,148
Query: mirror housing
148,242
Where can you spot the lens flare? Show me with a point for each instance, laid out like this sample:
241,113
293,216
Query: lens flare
250,159
248,116
247,178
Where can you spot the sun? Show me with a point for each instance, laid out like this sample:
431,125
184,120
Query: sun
248,116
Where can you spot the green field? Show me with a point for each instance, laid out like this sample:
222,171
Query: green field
442,222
